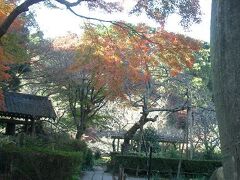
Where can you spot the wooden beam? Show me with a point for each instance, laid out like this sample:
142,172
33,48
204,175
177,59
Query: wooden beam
26,125
12,121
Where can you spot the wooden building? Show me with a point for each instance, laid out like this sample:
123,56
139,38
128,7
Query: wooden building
160,138
24,110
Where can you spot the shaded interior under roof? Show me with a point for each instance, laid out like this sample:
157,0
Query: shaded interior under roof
27,105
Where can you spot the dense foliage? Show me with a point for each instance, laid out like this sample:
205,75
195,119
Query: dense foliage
27,157
32,163
164,166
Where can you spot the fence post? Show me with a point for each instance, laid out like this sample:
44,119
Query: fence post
150,164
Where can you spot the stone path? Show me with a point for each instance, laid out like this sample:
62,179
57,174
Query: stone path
99,173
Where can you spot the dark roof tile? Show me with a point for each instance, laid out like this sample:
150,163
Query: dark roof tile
18,104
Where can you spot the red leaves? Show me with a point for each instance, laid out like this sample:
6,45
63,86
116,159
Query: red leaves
119,58
176,51
5,58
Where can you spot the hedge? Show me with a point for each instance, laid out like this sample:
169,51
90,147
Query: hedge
164,165
39,164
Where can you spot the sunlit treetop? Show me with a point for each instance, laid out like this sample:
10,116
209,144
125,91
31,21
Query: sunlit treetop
68,42
159,10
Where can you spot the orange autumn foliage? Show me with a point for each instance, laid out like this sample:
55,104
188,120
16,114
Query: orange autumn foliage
121,59
6,8
5,58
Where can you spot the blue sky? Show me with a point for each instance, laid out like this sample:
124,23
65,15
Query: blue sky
57,22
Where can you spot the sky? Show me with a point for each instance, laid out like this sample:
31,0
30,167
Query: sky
57,22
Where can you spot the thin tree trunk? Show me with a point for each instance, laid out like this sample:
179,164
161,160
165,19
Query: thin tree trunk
190,135
180,162
225,54
79,134
80,130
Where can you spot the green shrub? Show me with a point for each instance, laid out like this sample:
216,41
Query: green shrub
172,153
97,155
71,145
6,141
67,154
165,165
55,142
39,164
88,160
150,139
207,155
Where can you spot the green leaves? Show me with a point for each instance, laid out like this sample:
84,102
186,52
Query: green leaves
14,46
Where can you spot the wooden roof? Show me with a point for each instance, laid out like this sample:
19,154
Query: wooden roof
160,137
166,139
27,106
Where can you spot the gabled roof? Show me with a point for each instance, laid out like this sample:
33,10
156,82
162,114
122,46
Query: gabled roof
160,137
27,106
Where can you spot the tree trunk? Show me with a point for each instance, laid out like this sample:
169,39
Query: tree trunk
132,131
225,54
81,127
80,131
190,133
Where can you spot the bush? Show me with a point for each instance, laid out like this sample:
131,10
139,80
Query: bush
56,142
150,139
207,155
40,164
71,145
164,165
103,161
6,141
97,155
34,155
88,160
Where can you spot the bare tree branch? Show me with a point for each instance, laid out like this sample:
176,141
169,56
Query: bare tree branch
167,109
70,4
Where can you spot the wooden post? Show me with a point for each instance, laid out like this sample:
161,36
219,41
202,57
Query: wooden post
121,175
113,145
10,129
141,140
26,125
118,144
150,163
137,171
32,129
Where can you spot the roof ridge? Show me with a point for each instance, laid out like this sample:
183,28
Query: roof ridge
22,94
